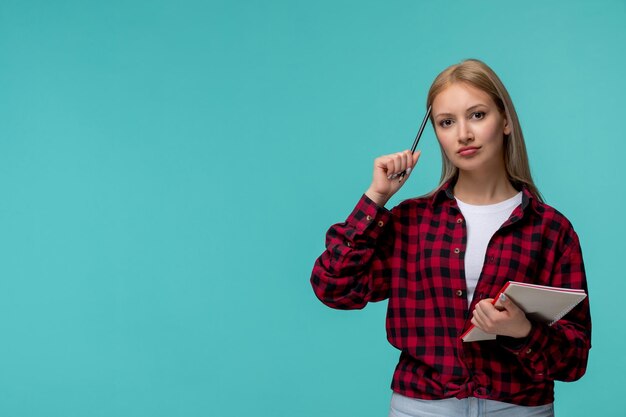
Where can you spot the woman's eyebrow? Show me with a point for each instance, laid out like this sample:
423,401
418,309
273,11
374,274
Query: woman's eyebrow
443,114
469,110
475,106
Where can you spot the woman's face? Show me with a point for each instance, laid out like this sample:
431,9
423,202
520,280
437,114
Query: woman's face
470,128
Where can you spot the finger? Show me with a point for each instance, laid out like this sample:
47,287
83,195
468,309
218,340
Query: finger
400,162
477,316
380,166
397,166
485,309
415,158
479,321
506,303
484,317
405,165
407,159
390,167
381,162
412,161
481,313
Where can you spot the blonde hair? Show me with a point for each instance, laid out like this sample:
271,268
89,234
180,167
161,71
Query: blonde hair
477,74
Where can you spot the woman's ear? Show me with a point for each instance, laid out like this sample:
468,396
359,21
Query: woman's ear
507,127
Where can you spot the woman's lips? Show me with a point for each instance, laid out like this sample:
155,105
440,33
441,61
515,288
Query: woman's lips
471,150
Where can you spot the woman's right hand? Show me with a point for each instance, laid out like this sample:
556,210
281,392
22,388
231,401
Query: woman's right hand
386,180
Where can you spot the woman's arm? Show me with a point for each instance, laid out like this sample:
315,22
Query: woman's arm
354,268
559,352
351,271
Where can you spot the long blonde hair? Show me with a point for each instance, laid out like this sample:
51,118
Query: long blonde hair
479,75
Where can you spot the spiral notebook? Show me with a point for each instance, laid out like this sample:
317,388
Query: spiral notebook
539,302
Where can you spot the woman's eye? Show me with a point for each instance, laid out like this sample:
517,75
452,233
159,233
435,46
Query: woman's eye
445,123
478,115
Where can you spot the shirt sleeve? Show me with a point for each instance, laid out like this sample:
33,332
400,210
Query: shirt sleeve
352,270
559,352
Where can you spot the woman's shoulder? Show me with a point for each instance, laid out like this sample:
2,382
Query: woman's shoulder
557,227
421,202
550,214
416,208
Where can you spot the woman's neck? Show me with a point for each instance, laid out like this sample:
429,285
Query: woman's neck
483,188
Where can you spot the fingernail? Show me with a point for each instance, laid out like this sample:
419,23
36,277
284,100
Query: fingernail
389,177
502,298
408,170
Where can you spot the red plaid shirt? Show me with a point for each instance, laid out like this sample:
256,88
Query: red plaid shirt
413,255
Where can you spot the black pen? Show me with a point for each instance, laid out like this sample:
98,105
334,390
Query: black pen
417,138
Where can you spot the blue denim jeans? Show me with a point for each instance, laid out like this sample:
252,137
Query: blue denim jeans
402,406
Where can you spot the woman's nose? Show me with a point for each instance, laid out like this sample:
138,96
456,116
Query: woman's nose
464,132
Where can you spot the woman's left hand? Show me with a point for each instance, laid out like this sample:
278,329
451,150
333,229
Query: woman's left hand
502,318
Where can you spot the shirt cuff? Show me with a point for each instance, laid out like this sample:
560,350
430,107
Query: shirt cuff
529,349
369,218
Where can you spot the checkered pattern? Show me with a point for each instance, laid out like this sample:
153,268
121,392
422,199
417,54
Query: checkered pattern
413,256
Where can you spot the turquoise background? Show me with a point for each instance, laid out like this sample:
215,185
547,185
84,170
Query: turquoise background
168,170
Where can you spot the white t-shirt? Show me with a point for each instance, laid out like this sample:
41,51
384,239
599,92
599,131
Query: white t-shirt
481,223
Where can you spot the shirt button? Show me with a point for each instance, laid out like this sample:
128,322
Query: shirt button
457,250
459,220
369,218
381,223
529,350
459,293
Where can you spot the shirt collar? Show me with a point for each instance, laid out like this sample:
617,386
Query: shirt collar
445,193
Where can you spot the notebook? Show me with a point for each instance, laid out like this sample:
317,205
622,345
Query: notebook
539,302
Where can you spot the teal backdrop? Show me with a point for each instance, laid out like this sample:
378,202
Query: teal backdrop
168,170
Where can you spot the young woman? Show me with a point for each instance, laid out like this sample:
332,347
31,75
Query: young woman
440,258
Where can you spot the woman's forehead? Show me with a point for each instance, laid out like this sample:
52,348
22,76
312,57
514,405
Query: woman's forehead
460,96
